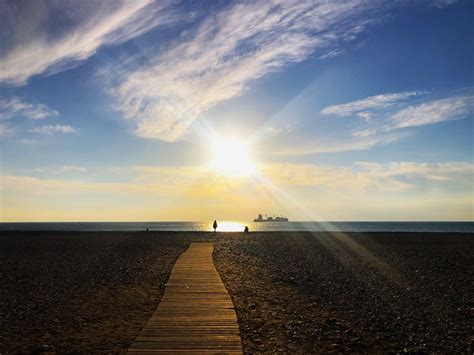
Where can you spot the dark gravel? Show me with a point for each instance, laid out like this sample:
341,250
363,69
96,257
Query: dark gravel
315,292
306,292
80,291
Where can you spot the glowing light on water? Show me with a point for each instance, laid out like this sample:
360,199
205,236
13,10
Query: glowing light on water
229,226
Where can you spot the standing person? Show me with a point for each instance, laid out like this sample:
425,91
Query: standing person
214,225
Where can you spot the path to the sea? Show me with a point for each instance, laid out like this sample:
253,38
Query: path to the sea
195,314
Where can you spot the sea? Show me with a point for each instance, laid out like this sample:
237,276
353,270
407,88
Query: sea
237,226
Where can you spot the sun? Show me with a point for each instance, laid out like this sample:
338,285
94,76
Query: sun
230,157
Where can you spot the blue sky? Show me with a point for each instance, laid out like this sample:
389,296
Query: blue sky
352,110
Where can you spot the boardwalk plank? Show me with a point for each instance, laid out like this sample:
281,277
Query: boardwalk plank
196,314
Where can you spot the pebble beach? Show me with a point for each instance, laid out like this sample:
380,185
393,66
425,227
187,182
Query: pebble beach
292,291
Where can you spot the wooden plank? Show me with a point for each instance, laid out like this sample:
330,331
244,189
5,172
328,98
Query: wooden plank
196,314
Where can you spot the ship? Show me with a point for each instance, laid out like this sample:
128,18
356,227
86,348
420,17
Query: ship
270,219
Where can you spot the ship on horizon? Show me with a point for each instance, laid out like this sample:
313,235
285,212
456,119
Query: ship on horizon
270,219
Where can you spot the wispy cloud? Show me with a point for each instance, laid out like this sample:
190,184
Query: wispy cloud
59,170
330,177
443,3
363,108
433,112
33,48
4,129
15,106
405,189
460,172
373,177
361,140
70,169
333,53
229,50
365,132
50,129
359,176
386,113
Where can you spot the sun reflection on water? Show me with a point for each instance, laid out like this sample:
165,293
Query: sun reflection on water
228,226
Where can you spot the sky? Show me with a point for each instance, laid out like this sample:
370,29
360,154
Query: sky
348,110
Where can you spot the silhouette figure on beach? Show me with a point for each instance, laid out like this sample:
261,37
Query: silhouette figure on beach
214,225
246,229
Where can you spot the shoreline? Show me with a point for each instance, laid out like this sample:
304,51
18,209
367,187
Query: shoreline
239,226
306,291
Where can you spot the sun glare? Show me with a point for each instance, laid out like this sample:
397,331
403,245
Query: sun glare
231,157
228,226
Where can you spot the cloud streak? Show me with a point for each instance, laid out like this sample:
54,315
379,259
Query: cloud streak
387,113
405,188
59,170
95,24
51,129
15,106
228,51
433,112
361,107
360,140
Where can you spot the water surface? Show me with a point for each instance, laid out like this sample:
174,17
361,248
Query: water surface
232,226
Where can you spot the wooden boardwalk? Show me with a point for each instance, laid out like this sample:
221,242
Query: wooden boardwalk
195,314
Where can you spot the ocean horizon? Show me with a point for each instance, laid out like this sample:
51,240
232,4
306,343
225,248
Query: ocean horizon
237,226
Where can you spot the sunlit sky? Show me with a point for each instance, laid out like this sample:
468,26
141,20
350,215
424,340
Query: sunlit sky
198,110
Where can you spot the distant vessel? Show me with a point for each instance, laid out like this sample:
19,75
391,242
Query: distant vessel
270,219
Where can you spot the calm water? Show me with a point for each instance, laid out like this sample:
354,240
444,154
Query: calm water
229,226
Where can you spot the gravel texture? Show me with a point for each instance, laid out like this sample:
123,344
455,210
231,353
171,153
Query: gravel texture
71,292
317,292
309,292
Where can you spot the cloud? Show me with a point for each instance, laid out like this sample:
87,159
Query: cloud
280,128
226,52
373,177
4,129
13,107
329,178
407,190
34,46
461,172
333,53
365,132
386,113
361,140
176,180
70,169
29,198
443,3
433,112
361,107
59,170
50,129
16,107
365,115
360,176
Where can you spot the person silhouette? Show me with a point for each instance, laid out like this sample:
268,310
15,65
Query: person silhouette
246,229
214,225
